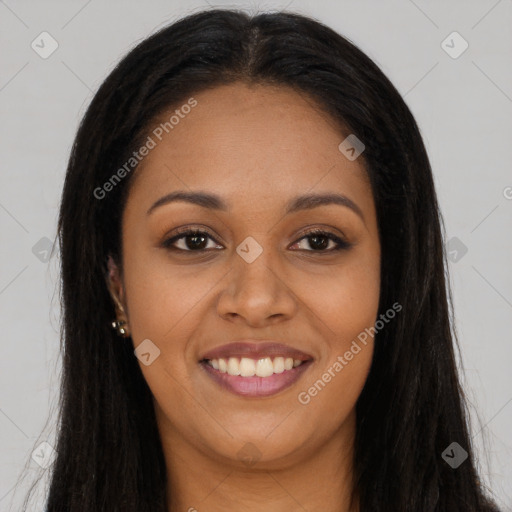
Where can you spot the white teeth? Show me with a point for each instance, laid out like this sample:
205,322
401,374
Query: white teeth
247,367
264,367
223,365
279,365
233,366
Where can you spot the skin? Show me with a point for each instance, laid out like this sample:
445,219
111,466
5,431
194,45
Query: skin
256,147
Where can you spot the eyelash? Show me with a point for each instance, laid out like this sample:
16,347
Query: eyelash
185,232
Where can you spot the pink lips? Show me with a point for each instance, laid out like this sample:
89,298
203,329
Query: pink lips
255,386
255,350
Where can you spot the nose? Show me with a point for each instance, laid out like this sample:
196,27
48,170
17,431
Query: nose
257,292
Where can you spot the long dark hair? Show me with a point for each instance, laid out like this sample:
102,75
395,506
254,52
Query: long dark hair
109,454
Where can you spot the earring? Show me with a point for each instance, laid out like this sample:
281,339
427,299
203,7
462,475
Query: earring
120,327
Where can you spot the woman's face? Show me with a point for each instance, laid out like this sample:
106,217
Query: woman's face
252,275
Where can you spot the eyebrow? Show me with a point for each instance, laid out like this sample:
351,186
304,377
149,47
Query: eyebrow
298,203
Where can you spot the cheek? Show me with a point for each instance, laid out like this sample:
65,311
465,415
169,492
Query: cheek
348,306
160,298
332,392
163,308
346,298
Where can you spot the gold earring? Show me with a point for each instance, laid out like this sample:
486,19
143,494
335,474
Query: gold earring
121,327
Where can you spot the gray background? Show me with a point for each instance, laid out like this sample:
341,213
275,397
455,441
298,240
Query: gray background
463,106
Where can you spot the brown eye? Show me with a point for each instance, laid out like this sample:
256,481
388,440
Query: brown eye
193,241
319,241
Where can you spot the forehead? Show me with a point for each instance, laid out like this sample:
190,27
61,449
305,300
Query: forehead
249,142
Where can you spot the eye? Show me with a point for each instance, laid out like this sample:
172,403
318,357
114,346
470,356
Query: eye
319,240
194,240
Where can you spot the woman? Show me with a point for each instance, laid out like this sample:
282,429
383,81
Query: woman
303,357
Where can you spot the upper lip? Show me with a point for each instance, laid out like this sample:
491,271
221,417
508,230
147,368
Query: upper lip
255,350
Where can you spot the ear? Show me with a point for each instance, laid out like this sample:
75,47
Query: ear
115,286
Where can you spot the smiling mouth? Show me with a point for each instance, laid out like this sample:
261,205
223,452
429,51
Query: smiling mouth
256,369
251,378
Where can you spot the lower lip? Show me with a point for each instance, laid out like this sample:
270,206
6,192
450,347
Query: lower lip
256,386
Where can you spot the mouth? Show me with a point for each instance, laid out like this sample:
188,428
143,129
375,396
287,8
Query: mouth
255,369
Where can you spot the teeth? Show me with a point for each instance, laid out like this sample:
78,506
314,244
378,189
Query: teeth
279,365
264,367
233,366
246,367
223,365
